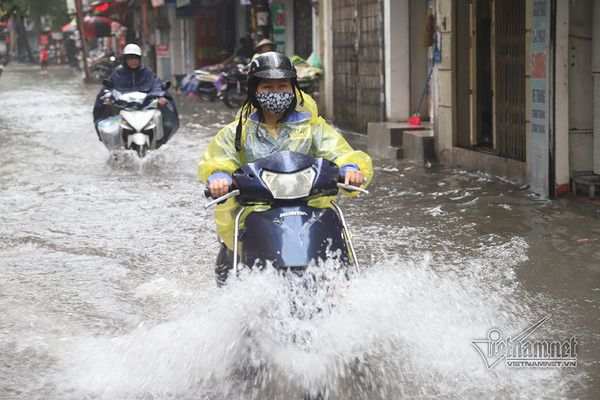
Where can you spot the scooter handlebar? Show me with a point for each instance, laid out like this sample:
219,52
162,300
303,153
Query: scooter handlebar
208,194
232,193
351,188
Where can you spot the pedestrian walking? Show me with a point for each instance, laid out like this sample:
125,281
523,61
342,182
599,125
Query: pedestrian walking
44,60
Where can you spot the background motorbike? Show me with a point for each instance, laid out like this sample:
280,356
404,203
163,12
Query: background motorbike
139,124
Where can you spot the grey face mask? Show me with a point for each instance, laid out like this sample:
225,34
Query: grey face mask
275,102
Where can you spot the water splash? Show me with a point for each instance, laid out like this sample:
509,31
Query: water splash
401,329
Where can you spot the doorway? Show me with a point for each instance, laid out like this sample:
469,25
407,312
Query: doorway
490,77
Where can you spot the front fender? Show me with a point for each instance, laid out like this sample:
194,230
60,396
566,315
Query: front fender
138,138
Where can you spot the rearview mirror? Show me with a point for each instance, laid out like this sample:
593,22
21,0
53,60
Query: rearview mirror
166,85
108,83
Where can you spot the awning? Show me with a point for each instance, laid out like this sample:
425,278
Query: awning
70,27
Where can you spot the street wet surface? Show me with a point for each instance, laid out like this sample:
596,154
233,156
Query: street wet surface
107,288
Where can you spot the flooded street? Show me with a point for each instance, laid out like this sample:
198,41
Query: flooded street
107,288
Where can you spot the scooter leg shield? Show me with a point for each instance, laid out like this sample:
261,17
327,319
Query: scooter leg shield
293,237
158,122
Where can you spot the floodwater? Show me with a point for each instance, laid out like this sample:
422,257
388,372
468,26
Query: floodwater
107,287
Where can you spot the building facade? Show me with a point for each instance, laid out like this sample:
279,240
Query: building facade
513,85
508,88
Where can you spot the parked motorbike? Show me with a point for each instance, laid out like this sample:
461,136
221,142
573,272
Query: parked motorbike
139,126
101,66
229,85
232,86
291,235
206,89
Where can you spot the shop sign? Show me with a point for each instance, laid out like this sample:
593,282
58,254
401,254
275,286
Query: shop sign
162,50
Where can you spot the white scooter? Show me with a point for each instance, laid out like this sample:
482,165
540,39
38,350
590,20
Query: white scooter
139,124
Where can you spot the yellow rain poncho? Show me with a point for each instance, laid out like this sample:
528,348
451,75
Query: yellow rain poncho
302,132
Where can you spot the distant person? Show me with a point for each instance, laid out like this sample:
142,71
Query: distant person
44,59
246,51
225,62
242,55
264,46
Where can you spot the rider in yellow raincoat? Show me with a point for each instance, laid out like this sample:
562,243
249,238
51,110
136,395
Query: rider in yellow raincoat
274,119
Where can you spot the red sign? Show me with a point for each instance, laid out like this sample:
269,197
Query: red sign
43,40
162,50
101,8
207,35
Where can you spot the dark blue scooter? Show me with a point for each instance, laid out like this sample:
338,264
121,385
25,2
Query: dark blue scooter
290,235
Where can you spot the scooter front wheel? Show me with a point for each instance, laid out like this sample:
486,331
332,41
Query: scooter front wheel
139,149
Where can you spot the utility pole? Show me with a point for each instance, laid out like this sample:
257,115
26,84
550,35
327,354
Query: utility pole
86,68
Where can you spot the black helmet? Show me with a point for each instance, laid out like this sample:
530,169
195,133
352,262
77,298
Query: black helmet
272,65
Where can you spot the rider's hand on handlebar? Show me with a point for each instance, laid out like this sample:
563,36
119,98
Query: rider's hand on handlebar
162,101
107,100
354,177
219,187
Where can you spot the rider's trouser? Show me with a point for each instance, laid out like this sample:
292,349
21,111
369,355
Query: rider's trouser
224,264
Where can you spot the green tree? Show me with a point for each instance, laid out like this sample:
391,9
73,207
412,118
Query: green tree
54,11
11,8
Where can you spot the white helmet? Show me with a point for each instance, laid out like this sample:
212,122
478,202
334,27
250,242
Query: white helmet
132,49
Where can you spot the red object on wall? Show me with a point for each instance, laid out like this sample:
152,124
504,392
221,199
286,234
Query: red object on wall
538,70
207,35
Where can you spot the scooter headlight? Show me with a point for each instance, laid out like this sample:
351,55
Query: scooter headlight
293,185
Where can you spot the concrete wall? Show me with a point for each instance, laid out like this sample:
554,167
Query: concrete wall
562,106
418,57
397,60
326,35
443,85
528,29
581,86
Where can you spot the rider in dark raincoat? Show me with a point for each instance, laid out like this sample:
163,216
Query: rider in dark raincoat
133,76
